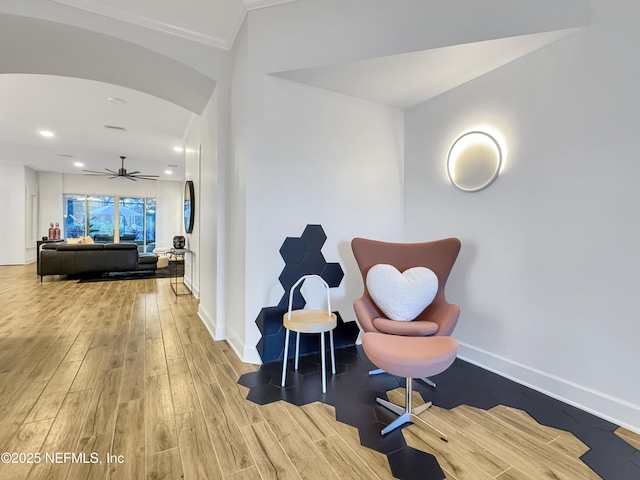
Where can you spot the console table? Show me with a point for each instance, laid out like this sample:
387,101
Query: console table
176,255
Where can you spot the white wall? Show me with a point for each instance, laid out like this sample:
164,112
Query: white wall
31,204
192,172
208,201
50,190
202,169
323,158
547,273
169,212
222,201
12,214
298,155
234,198
19,214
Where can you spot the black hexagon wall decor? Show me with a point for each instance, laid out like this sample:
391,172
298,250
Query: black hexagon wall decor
302,256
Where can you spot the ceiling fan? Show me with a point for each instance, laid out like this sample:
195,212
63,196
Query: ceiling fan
122,172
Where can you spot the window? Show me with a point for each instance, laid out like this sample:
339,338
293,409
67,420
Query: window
96,216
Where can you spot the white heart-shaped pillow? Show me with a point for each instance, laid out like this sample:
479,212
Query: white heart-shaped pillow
401,296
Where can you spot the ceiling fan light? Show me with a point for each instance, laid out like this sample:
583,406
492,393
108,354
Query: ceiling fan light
121,173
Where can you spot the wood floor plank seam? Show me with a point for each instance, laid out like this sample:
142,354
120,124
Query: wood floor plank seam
201,408
298,449
333,448
527,443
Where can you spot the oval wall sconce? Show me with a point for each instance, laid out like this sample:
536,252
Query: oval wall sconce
474,161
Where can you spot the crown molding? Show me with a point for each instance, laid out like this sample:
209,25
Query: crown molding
250,5
189,128
143,20
257,4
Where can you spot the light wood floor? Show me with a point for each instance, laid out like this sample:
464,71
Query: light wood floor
125,370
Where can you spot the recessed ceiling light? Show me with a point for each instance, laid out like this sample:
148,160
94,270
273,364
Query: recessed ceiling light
116,100
46,133
78,164
178,149
168,172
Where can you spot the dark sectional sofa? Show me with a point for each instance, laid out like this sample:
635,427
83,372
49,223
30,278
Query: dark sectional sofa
79,259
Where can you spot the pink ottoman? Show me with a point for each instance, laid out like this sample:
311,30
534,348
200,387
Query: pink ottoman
409,357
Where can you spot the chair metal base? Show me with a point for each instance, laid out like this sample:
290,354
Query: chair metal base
426,380
406,414
429,382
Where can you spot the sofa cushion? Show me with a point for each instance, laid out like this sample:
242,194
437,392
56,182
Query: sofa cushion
50,246
128,238
147,258
62,247
147,261
102,238
120,246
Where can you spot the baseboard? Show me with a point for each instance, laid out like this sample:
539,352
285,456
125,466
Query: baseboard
194,291
216,331
245,353
616,410
251,355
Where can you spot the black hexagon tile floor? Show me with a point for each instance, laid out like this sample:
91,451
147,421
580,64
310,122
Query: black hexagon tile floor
352,393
